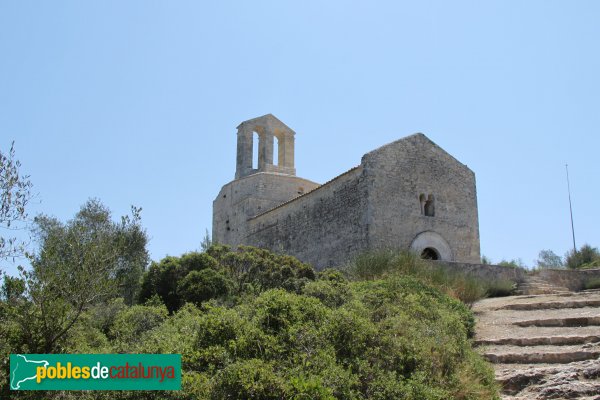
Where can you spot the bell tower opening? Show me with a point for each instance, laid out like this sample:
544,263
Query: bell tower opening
276,151
273,151
255,144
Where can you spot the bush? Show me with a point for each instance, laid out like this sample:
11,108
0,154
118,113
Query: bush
251,379
548,259
593,283
220,271
385,263
277,311
586,257
396,335
196,261
199,286
131,324
500,288
162,279
104,315
514,263
332,293
372,264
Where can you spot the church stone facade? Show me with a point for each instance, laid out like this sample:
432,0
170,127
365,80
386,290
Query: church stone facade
409,194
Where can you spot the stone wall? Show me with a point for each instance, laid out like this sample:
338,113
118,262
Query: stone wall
412,167
249,196
324,227
408,194
573,279
485,271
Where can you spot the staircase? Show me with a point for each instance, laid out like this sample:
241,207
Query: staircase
543,345
533,284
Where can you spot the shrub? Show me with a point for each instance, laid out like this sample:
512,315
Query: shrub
276,311
199,286
514,263
251,379
371,265
548,259
162,279
456,284
332,293
196,261
500,288
103,316
586,257
177,334
397,335
220,271
134,322
309,387
593,283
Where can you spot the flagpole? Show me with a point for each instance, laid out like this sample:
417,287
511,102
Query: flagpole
571,208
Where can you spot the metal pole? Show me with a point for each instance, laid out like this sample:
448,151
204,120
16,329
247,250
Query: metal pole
571,209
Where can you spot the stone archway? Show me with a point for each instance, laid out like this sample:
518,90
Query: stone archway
432,246
429,253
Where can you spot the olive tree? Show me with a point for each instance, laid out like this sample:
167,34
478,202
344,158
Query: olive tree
15,195
82,262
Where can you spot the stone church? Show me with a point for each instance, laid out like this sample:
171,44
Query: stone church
408,194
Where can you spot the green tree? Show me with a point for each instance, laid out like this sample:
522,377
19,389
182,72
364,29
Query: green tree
514,263
131,324
162,278
199,286
206,241
549,259
15,195
586,257
80,263
246,270
256,269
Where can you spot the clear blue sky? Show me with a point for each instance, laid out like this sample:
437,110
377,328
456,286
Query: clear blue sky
136,102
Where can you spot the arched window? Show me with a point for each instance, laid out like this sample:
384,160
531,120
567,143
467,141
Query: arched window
430,206
276,151
255,150
422,203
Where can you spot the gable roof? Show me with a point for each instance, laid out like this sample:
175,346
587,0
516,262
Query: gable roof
415,137
268,120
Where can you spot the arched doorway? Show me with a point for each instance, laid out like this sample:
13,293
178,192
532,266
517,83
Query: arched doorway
431,246
429,253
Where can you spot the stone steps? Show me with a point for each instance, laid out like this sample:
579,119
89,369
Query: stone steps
559,322
540,340
552,305
536,285
549,381
542,346
548,354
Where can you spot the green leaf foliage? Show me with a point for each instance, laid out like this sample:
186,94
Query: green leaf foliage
220,272
206,284
585,258
251,324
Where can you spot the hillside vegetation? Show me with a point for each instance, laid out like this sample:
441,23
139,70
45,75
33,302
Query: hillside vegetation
251,324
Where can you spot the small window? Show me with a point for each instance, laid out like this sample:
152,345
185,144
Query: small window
430,206
300,190
276,150
255,150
